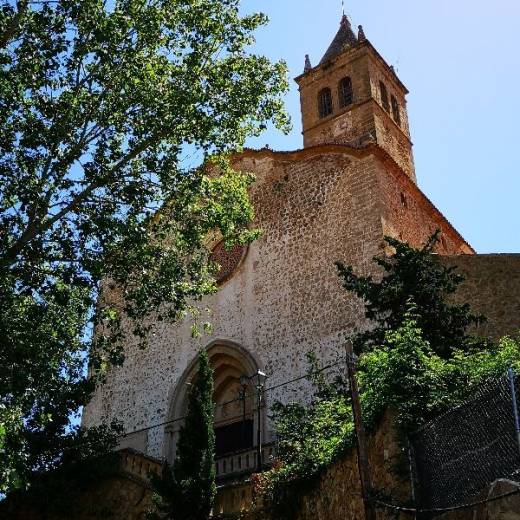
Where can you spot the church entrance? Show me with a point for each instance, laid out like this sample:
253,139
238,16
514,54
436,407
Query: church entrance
234,400
234,397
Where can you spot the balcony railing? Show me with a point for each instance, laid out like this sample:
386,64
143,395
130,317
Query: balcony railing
243,462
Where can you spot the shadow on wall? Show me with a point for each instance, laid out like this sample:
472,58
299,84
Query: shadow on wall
492,286
127,494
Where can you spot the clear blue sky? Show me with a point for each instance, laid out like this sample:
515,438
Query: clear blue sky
460,59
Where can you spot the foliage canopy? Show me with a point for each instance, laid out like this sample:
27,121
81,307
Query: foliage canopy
102,106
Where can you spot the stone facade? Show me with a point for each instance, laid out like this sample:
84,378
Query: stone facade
492,285
335,199
314,206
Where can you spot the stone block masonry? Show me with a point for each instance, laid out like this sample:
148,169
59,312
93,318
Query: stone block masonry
314,207
492,287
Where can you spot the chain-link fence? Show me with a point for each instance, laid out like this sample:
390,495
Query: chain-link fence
461,453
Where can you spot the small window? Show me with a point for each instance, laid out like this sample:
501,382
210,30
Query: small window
396,111
345,92
384,96
325,102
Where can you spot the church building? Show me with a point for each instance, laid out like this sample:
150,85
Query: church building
352,183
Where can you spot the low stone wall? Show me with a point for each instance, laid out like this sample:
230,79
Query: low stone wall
336,496
338,492
507,508
125,495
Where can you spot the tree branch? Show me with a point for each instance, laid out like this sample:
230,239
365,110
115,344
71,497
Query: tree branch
14,25
34,229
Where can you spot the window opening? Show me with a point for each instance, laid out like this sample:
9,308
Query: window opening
325,102
384,96
396,111
345,92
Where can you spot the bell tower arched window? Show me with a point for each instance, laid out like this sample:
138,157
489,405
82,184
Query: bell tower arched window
384,96
325,102
345,92
396,111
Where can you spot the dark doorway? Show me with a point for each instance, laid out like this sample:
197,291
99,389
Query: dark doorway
233,437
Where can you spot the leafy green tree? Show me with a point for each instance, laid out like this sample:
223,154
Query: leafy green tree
406,375
418,360
309,436
106,109
416,275
187,490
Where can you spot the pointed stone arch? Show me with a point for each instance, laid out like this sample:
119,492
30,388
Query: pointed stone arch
229,361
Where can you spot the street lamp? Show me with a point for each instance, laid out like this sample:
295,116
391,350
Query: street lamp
260,379
244,382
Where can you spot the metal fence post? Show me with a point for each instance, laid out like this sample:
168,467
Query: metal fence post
512,383
413,490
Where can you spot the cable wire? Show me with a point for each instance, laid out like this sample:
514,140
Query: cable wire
238,399
404,509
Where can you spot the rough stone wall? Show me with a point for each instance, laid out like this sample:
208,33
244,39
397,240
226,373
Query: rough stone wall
338,493
507,508
336,496
126,495
410,216
492,286
314,207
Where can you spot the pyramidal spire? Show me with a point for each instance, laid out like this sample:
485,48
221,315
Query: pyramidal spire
344,38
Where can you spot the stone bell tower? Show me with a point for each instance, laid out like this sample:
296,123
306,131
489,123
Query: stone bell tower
354,97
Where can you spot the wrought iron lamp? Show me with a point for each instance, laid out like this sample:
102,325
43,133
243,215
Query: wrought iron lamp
259,378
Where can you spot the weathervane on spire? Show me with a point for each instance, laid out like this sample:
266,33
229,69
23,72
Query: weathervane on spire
343,7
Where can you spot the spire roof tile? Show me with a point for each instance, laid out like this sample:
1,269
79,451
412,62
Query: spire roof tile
344,38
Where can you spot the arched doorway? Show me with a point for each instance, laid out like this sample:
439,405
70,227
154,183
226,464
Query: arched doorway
236,418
